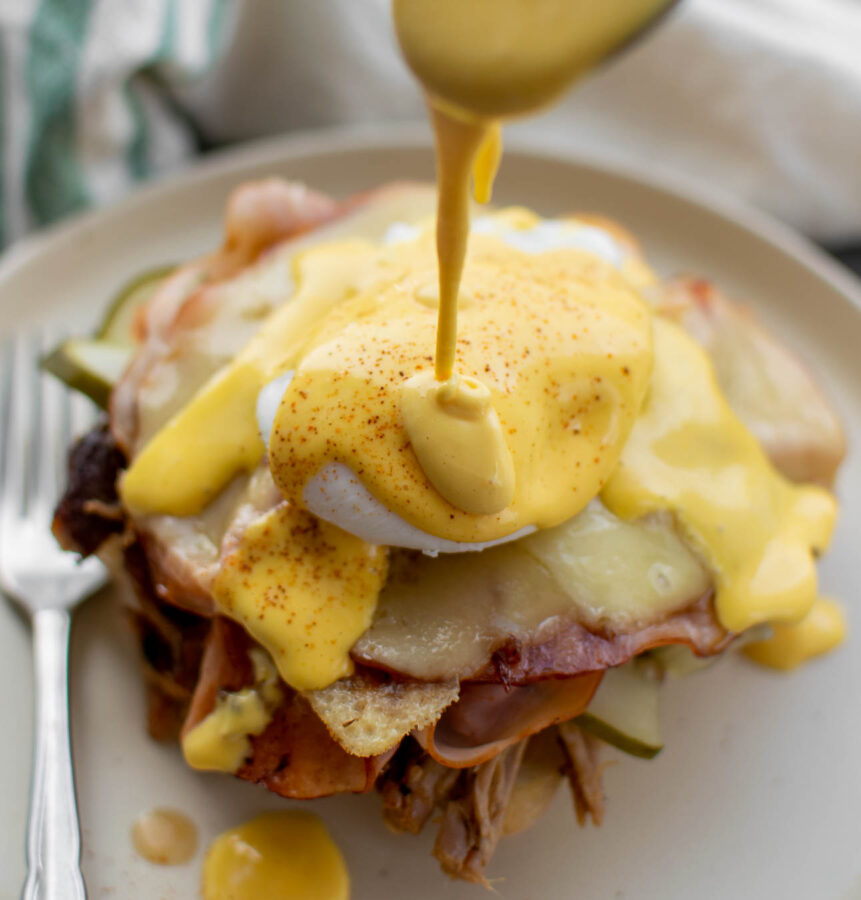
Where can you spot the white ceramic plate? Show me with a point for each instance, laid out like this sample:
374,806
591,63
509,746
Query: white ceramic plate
758,792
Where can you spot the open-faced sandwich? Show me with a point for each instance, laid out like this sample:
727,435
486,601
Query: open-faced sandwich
336,591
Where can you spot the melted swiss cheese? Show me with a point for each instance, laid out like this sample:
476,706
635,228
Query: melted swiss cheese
690,454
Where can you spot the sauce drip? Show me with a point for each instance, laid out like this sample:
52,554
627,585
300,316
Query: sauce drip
166,837
285,855
457,438
689,453
305,590
486,164
221,742
458,140
820,631
473,469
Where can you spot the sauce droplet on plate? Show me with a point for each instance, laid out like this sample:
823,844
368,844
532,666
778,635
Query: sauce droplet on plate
285,855
166,837
820,631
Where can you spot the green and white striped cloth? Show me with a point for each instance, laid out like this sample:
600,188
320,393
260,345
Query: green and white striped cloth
85,98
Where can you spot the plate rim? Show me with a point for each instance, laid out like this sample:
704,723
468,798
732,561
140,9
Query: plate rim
412,136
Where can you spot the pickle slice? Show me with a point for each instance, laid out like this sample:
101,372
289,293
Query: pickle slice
89,365
117,323
624,711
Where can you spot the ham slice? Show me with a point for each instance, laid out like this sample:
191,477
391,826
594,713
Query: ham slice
572,648
770,390
487,718
258,215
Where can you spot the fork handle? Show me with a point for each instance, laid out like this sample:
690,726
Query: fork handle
53,837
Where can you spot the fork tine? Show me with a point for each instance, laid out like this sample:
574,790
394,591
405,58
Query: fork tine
7,362
51,438
83,415
18,426
31,393
65,439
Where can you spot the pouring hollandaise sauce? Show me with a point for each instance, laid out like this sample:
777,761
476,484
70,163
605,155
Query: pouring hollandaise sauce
563,387
480,62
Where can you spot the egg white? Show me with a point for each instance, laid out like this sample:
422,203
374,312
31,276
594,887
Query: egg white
336,495
544,236
268,401
555,234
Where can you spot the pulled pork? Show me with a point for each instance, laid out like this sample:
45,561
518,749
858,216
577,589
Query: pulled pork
472,803
413,787
89,512
474,816
584,772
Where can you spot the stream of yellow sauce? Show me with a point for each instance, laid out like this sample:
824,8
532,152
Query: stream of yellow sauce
285,855
457,143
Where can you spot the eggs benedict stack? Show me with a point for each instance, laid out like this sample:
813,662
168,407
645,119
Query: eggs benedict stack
346,576
429,505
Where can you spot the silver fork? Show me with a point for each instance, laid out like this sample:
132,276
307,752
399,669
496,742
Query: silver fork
38,416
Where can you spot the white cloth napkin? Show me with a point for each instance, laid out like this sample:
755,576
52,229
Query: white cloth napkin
759,97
